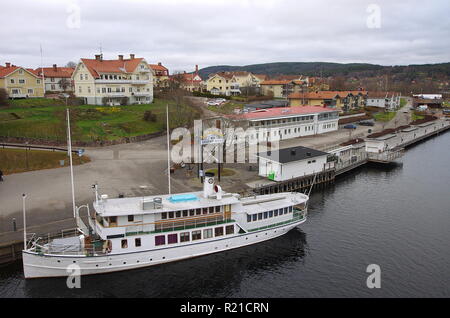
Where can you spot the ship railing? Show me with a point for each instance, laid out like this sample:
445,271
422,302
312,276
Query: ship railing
66,249
177,226
298,215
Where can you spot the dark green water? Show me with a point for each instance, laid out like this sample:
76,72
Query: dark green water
395,216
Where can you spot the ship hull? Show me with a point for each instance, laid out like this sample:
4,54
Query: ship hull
39,266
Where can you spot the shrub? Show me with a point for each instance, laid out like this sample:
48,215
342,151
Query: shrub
149,116
3,97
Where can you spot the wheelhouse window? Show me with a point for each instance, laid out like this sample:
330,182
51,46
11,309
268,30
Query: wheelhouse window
218,231
172,238
196,235
229,229
131,218
184,237
160,240
137,242
124,243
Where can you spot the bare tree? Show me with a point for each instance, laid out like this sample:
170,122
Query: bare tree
64,83
71,64
3,97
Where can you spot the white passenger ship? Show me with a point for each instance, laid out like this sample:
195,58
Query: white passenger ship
128,233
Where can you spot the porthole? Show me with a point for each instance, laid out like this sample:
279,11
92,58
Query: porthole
164,257
96,265
110,264
59,261
74,261
124,262
137,261
151,259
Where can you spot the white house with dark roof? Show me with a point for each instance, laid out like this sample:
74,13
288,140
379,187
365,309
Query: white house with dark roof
293,162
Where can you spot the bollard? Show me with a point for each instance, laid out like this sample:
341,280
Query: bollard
14,225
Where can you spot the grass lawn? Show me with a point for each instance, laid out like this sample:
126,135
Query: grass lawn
402,102
224,172
384,116
45,119
21,160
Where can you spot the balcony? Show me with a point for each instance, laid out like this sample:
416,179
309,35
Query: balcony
140,82
141,94
115,94
114,81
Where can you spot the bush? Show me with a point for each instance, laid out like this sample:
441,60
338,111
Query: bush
149,116
209,95
3,97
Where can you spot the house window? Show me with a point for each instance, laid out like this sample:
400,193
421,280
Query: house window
21,81
229,229
137,242
160,240
184,237
218,231
124,243
207,233
12,80
196,235
130,218
172,238
30,91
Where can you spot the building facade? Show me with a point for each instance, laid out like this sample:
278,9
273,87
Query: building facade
341,100
114,82
287,122
291,163
20,82
281,88
385,100
160,75
57,79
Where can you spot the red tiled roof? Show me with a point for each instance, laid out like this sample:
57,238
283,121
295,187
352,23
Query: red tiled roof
281,111
158,67
276,82
323,94
5,71
59,72
96,67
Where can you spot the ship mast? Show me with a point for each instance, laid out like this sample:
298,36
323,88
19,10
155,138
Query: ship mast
168,147
69,147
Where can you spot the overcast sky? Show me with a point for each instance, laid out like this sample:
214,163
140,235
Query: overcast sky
182,33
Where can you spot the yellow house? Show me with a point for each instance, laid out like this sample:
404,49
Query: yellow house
342,100
280,88
222,83
114,82
160,75
20,82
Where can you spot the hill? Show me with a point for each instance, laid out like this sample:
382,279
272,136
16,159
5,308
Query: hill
326,69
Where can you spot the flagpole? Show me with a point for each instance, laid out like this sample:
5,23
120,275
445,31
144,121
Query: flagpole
168,147
42,69
24,222
69,146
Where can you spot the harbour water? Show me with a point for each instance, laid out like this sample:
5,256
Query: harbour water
395,216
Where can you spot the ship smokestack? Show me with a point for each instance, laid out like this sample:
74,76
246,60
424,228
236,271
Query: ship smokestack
208,185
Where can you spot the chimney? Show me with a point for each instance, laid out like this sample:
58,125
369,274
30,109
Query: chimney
208,184
55,68
131,56
98,57
196,68
8,64
121,57
159,63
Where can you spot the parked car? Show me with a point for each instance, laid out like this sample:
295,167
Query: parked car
366,123
213,103
221,100
350,126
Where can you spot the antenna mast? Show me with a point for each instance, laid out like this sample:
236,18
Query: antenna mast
168,147
69,147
